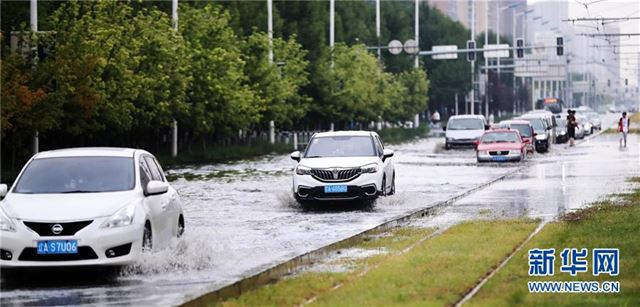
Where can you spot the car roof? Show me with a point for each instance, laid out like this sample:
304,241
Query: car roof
502,130
345,133
533,115
88,152
467,116
515,122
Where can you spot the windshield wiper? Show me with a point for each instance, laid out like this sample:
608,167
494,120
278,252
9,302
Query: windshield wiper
78,191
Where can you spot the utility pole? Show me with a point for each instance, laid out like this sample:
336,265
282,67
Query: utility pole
331,23
174,135
33,22
378,28
417,32
270,28
473,70
486,60
513,42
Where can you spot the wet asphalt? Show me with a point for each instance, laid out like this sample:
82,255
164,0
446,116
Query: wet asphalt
242,219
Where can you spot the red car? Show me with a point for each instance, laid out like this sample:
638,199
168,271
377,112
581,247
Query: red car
525,129
501,145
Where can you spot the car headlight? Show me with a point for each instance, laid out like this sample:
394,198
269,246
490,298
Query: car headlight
541,137
369,168
6,224
122,217
562,132
483,153
303,170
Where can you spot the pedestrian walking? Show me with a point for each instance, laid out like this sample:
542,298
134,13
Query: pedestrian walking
572,123
623,128
435,117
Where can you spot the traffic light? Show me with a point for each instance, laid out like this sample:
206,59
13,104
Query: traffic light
559,45
520,48
626,81
471,55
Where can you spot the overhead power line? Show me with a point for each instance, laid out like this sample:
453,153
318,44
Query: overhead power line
600,19
607,34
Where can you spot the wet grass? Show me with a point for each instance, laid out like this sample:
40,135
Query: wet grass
400,135
606,224
305,285
437,271
223,154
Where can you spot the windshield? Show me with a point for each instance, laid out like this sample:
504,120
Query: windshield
538,125
341,146
500,137
77,175
525,130
465,124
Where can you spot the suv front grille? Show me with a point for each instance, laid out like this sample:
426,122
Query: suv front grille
499,153
335,175
46,229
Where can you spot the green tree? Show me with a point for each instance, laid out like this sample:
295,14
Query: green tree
277,85
221,100
412,97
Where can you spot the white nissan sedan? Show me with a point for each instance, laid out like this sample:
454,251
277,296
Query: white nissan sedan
344,165
85,207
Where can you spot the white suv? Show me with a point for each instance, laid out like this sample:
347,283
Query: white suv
344,165
86,207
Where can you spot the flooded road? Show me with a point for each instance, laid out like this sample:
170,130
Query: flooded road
242,219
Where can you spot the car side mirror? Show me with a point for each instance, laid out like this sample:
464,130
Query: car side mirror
295,156
387,153
476,143
444,128
535,134
487,127
3,190
526,141
155,187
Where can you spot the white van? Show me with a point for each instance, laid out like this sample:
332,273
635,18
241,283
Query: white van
463,130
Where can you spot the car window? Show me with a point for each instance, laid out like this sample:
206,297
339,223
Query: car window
500,137
465,124
77,175
525,130
156,173
379,146
145,174
341,146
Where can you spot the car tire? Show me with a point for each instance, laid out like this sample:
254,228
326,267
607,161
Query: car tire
383,188
147,238
447,146
180,231
393,185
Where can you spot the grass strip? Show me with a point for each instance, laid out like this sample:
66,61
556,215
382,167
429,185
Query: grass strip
303,286
437,271
608,224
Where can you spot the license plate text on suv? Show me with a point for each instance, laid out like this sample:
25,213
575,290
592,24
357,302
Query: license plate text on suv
335,189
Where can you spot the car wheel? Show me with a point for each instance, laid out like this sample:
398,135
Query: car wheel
384,186
180,226
393,185
147,238
447,146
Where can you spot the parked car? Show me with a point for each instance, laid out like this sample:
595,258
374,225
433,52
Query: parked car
561,130
501,146
586,124
87,207
543,132
464,130
344,165
550,118
595,120
524,128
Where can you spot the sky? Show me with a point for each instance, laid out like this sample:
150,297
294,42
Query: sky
612,8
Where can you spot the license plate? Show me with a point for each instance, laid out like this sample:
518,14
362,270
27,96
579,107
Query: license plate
499,158
335,189
57,247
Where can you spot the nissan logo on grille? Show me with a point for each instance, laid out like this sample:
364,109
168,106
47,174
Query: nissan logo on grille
57,229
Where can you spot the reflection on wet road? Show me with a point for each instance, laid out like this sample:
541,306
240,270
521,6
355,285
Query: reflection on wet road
241,218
